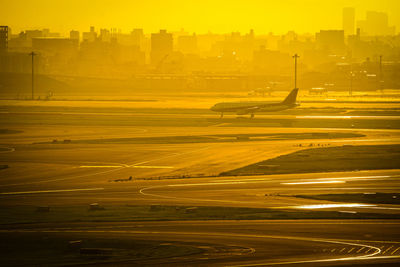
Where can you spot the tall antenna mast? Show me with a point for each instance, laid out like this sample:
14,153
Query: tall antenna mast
295,69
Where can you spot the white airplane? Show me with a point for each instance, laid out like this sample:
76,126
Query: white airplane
242,108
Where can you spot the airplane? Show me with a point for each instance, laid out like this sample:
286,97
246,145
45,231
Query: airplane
243,108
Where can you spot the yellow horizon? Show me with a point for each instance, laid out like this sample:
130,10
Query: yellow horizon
307,16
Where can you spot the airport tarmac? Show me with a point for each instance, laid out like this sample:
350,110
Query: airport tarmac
95,154
244,243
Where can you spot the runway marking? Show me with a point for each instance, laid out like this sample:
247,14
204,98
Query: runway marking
395,251
389,248
197,184
358,251
10,149
327,206
220,124
384,208
129,166
52,191
373,177
347,117
101,166
322,260
151,167
316,179
268,180
244,180
317,182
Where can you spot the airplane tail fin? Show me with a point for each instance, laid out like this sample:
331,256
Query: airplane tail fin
291,98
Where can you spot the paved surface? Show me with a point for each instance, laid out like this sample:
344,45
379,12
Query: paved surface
79,174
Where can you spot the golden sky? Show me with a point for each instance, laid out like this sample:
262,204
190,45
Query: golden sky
278,16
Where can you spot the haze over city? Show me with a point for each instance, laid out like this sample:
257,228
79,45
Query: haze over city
200,133
278,17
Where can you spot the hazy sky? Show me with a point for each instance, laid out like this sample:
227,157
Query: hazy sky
200,16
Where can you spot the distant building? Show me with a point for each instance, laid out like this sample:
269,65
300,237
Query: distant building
331,41
51,44
47,33
271,62
348,20
376,23
137,37
89,36
57,51
187,44
161,46
16,62
33,34
74,35
3,38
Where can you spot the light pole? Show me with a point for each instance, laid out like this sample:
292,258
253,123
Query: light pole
295,69
351,78
33,54
380,74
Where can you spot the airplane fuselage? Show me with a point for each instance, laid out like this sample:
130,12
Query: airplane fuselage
242,108
249,107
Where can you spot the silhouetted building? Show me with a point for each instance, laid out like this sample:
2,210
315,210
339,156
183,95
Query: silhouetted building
89,36
376,23
187,44
3,38
161,46
271,62
54,45
105,35
57,51
331,41
74,35
17,62
348,20
137,37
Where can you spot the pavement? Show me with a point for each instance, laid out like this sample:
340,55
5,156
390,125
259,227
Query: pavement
186,174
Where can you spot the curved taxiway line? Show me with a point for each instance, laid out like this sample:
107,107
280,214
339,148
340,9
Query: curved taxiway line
374,255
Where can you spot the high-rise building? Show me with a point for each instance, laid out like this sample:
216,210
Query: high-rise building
376,23
161,46
348,20
3,38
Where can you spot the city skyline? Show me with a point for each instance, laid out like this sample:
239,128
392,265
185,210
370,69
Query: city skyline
210,60
216,17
